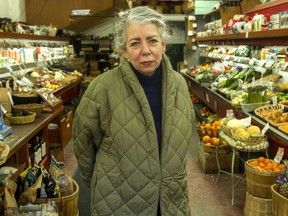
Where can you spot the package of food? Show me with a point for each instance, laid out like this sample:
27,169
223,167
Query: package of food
59,173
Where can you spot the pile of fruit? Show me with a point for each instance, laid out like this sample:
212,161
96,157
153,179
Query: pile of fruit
209,129
265,164
195,99
239,131
209,135
205,111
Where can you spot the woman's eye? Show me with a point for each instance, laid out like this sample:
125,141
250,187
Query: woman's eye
153,41
134,44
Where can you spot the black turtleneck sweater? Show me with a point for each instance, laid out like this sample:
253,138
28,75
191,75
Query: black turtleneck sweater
153,89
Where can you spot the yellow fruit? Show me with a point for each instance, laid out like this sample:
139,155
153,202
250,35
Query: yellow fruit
206,139
239,131
244,135
253,130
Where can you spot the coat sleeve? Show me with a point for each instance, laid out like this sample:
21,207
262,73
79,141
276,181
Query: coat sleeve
87,136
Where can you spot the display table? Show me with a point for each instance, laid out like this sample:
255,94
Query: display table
21,135
233,145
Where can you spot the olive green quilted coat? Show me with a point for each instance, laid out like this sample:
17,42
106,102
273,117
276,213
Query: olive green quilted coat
115,143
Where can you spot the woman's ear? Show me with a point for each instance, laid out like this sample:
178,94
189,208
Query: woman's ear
124,53
163,47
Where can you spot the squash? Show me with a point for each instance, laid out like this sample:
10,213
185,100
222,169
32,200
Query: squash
235,123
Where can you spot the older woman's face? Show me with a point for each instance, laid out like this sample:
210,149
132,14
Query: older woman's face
144,47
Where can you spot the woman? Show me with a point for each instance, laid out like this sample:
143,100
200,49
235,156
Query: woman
133,126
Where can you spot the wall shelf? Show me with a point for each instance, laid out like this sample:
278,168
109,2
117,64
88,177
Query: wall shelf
270,37
13,35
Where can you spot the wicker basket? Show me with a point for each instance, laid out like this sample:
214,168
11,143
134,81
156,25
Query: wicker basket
21,119
265,111
259,182
277,124
67,205
251,141
32,107
213,148
279,202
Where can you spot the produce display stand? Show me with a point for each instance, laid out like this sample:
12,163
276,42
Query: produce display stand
231,142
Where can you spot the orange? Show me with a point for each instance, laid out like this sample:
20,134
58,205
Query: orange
281,166
262,165
261,159
213,128
206,139
215,141
266,161
254,162
207,126
269,166
217,123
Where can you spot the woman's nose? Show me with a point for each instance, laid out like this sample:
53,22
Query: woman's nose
145,48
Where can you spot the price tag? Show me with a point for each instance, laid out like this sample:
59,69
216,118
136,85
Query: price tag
265,128
247,35
252,62
10,98
229,113
262,63
207,97
269,64
246,121
285,66
278,157
274,100
3,110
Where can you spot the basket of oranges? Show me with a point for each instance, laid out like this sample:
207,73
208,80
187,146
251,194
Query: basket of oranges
210,144
261,174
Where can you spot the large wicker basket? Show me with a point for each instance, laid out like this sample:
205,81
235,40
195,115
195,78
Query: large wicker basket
259,182
21,119
279,202
32,107
67,205
265,111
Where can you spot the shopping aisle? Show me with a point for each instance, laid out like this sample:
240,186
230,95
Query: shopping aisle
206,198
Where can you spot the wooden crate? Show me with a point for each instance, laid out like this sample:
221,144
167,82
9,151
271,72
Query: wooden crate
209,164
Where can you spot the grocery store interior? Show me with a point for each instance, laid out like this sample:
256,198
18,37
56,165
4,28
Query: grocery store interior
233,56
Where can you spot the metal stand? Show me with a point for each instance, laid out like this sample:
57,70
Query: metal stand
242,177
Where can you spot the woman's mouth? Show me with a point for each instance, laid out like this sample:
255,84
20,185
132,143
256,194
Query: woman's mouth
147,62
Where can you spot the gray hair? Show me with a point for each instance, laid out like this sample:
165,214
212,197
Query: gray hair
138,15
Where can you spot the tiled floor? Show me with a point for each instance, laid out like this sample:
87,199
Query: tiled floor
206,198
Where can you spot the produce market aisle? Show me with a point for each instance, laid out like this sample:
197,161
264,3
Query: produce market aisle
206,198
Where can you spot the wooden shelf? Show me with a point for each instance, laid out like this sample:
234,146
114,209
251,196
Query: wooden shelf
268,5
270,37
13,35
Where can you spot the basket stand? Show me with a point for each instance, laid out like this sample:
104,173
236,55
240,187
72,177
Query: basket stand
225,137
